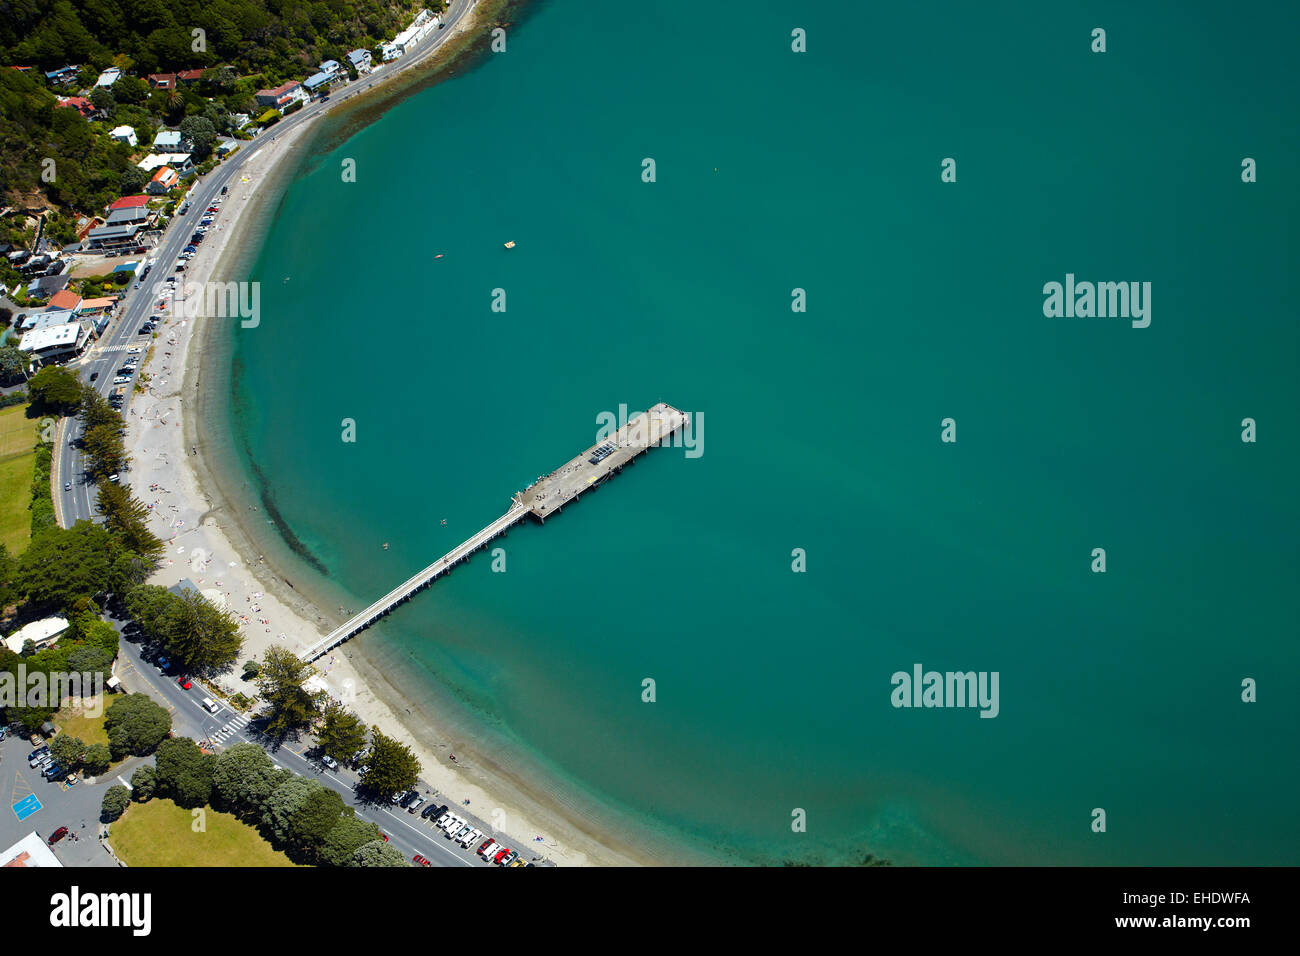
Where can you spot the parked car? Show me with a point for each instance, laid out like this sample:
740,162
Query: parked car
414,804
487,847
210,705
53,771
121,380
471,837
501,854
433,810
461,832
94,375
329,761
57,835
399,796
184,682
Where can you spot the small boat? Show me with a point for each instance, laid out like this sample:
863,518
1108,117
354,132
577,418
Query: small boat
385,545
510,244
444,520
439,255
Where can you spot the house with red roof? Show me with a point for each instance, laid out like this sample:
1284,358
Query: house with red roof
80,104
281,96
162,81
129,202
189,77
164,179
64,299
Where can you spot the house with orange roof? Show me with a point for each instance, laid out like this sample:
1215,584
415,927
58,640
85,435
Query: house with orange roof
64,299
164,179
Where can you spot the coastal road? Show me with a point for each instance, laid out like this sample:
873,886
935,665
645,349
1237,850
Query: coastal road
406,831
77,502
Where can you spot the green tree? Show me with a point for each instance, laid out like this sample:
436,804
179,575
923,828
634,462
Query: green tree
243,778
378,853
283,804
64,564
132,180
144,784
55,390
348,835
342,733
136,725
68,750
127,518
280,683
200,636
314,819
13,362
97,759
116,799
105,450
392,765
127,571
184,772
202,134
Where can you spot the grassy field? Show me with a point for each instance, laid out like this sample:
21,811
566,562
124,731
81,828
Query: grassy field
17,465
159,833
75,721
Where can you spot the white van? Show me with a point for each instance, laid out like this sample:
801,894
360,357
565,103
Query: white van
211,705
470,838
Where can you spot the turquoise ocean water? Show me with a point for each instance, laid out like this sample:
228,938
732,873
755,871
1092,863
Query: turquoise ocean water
821,430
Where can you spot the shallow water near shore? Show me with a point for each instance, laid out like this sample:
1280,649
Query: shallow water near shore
820,430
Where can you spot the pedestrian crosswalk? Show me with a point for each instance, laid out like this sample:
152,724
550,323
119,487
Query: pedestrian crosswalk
234,726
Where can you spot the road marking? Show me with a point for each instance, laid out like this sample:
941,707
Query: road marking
25,807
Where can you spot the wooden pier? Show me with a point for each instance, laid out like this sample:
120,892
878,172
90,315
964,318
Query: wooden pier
541,499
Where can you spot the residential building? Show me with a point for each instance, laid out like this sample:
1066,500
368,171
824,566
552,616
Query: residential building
45,320
64,300
158,160
281,96
317,82
80,104
164,178
129,202
109,77
64,74
162,81
167,141
332,67
54,343
124,134
40,633
189,77
360,60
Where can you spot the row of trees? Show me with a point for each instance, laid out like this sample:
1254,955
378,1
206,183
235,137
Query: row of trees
391,766
201,637
299,815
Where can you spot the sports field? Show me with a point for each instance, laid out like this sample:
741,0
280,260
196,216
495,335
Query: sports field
17,464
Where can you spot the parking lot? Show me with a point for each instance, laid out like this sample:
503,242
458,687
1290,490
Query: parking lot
32,803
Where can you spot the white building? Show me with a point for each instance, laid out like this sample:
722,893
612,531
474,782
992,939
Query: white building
31,850
109,77
158,160
40,633
167,141
124,134
55,342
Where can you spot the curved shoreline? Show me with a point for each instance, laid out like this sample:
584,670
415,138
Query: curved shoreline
297,593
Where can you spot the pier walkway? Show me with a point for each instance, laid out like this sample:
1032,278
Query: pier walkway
543,498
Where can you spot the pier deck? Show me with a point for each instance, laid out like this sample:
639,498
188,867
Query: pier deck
541,499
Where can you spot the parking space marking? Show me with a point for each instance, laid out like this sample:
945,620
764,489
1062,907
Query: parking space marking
26,807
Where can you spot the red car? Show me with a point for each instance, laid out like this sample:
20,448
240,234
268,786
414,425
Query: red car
501,854
420,860
384,835
184,682
58,835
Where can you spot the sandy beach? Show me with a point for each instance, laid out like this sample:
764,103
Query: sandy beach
210,539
